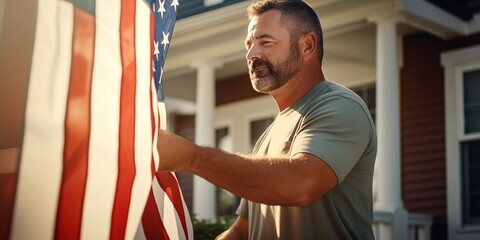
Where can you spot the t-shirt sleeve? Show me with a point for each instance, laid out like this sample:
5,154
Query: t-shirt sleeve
337,130
242,210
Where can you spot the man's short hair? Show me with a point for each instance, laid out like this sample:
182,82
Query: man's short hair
304,19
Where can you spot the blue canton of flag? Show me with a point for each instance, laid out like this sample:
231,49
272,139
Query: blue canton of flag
165,13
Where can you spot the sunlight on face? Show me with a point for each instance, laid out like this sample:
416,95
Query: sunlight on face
273,59
273,76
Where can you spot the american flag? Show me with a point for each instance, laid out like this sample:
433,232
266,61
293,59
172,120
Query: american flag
87,167
166,214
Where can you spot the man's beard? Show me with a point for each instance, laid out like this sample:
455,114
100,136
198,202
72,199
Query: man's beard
273,77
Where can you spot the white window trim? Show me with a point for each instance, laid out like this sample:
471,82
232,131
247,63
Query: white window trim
226,123
239,114
455,64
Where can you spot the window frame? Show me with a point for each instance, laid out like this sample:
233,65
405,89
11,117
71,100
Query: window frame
255,117
455,64
237,117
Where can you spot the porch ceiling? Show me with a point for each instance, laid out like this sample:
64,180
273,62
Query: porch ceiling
349,37
219,35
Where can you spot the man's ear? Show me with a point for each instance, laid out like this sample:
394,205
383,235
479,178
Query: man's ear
308,45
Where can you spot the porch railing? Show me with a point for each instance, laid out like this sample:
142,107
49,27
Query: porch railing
418,226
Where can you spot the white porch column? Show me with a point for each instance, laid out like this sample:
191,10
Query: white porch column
388,165
204,203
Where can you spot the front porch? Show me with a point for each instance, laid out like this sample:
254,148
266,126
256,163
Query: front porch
418,226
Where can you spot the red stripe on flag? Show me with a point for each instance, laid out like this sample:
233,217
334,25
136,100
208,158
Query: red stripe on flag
7,190
126,152
152,31
152,113
77,129
153,227
152,223
170,185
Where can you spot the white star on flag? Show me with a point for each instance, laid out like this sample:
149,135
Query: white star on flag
161,75
175,4
156,51
161,9
165,40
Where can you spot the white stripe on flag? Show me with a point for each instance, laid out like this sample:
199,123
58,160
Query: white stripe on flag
42,154
187,218
162,111
157,113
103,148
143,125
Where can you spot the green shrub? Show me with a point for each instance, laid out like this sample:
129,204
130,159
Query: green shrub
208,229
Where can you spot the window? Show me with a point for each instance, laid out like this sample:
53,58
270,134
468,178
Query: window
223,139
257,127
227,202
462,124
471,99
470,149
470,152
237,127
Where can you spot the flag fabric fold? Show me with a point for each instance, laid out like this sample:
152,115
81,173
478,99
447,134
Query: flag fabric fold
88,162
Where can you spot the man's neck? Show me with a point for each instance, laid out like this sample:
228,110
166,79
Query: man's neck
297,87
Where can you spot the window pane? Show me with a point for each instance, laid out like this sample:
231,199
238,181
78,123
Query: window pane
222,139
227,202
471,94
475,209
471,181
257,128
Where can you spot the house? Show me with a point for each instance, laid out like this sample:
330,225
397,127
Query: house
416,63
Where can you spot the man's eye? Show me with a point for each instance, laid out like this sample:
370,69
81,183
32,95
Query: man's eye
265,42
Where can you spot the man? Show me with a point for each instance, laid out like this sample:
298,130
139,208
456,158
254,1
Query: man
310,175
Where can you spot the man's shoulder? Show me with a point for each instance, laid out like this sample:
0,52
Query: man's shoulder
330,94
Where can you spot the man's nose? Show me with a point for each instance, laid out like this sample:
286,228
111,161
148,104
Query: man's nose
252,53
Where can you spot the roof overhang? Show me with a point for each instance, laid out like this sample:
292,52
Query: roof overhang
349,33
433,19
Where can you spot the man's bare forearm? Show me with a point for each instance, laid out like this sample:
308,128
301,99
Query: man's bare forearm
288,181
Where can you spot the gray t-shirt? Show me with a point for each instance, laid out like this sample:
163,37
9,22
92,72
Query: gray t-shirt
332,123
